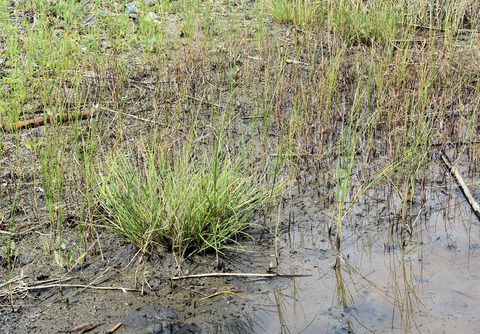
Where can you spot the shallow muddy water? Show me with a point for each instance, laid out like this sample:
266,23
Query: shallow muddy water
429,285
426,282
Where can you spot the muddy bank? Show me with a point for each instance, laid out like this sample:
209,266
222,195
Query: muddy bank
379,282
106,288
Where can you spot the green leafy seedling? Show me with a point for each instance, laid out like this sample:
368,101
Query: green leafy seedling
9,249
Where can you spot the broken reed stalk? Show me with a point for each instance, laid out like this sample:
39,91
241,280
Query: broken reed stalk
76,286
461,183
114,328
19,289
42,120
239,275
81,327
87,327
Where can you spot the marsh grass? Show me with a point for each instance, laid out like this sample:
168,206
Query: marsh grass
298,12
365,23
172,199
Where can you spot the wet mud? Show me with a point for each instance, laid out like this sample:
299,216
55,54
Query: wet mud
382,280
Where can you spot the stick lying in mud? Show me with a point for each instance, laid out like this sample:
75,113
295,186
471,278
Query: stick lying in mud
22,288
92,327
239,275
81,327
466,192
77,286
114,328
39,121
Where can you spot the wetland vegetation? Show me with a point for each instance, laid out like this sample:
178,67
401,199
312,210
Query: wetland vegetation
163,138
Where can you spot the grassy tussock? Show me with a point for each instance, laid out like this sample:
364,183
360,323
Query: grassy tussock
172,199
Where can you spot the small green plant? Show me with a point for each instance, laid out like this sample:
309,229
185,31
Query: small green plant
63,257
9,253
33,145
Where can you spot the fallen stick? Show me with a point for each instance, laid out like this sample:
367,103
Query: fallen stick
461,183
239,275
92,327
114,328
20,289
80,327
42,120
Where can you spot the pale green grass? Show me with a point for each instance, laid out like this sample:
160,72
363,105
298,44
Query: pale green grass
174,200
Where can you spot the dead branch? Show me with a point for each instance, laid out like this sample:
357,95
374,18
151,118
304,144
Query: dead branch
80,327
461,183
114,328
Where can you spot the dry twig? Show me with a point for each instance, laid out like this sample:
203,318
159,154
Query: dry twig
24,287
239,275
82,326
114,328
461,183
